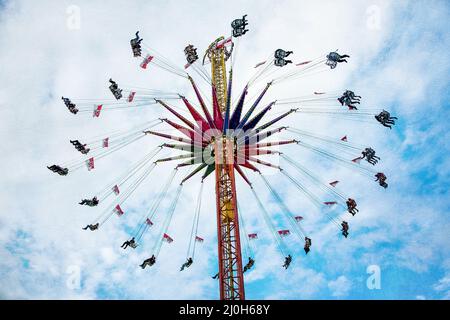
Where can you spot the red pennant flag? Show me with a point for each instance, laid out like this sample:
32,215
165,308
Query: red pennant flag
187,65
334,183
330,203
105,143
167,238
253,236
149,222
116,190
131,96
357,160
224,42
260,64
344,138
118,210
298,218
303,63
146,61
90,164
97,110
284,233
198,239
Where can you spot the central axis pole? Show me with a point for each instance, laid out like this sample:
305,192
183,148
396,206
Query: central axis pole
231,280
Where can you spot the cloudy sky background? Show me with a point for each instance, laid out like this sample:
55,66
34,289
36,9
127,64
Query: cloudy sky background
399,61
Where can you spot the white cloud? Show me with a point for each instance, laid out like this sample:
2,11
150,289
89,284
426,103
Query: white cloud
443,287
340,287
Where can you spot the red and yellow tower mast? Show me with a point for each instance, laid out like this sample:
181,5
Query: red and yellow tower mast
231,279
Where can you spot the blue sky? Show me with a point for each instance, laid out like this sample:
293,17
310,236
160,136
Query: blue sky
399,61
